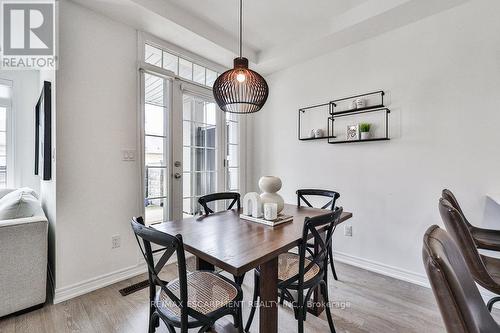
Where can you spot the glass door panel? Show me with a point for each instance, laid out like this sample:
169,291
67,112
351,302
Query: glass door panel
200,152
232,153
156,179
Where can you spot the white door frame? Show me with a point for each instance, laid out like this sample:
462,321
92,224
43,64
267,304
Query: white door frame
168,87
174,91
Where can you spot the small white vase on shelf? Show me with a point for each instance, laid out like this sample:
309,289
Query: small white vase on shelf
365,135
353,105
360,103
269,185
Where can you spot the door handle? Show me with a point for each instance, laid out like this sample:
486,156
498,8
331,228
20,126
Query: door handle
177,175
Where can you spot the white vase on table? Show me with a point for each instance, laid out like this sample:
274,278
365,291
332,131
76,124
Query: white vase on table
269,185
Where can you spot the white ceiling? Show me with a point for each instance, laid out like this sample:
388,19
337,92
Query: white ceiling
277,33
267,22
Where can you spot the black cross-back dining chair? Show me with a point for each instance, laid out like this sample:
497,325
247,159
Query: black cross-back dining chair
301,272
206,199
196,299
301,197
235,197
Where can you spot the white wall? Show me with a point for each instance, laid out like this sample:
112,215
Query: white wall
97,193
24,98
48,187
441,74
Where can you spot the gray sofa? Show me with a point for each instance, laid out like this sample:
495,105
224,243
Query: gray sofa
23,254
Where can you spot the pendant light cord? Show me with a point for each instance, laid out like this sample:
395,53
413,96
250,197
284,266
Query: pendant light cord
241,25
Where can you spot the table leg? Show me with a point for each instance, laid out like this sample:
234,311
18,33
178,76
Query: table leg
317,307
268,321
202,265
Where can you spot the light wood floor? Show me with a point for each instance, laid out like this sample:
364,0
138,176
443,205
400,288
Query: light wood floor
367,302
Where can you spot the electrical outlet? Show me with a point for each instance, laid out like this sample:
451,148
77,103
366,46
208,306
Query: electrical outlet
116,241
348,230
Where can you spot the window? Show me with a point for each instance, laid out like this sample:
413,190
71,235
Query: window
5,107
153,56
170,62
184,68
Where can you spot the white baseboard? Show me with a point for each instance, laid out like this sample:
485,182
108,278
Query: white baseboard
98,282
80,288
380,268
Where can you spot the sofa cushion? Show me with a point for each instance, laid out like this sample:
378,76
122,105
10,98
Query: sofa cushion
19,203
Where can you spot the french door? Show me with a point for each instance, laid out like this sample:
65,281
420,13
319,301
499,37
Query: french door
189,147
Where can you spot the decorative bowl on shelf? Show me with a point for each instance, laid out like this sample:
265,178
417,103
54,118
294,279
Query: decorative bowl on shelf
319,133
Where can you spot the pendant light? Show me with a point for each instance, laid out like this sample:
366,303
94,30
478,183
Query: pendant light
240,90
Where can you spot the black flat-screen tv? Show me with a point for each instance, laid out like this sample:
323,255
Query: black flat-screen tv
43,133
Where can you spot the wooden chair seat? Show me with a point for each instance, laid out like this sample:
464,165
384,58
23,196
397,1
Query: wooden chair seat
288,266
207,293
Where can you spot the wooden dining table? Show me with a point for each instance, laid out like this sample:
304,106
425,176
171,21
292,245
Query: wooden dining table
237,246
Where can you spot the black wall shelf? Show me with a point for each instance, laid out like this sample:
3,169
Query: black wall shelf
312,109
336,115
361,110
358,141
334,105
379,104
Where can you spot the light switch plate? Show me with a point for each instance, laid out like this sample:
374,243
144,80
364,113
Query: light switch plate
128,155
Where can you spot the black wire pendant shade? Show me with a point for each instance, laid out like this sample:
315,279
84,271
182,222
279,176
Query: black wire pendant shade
235,96
240,90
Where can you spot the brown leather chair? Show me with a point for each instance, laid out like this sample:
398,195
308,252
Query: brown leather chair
484,269
487,239
458,298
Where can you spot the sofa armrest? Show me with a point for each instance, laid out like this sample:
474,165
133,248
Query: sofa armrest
23,259
25,220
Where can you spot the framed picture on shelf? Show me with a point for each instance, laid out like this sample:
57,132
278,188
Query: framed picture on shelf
352,133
